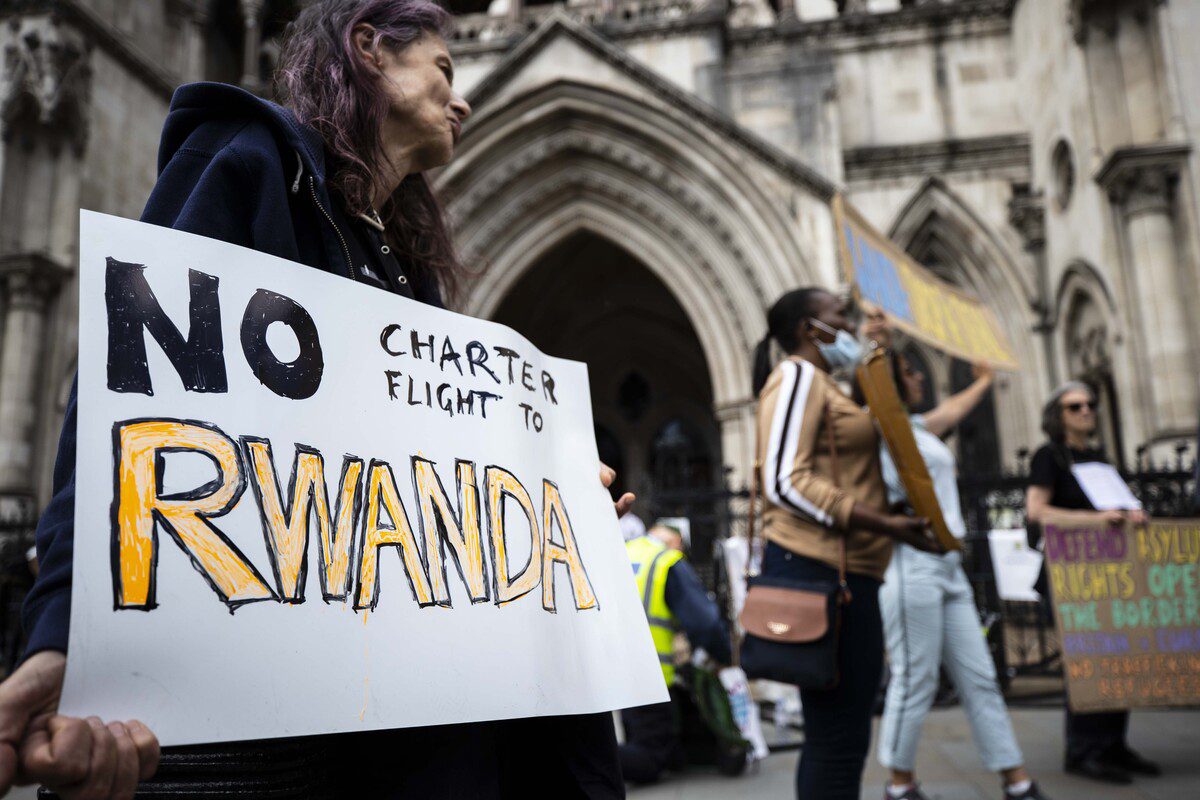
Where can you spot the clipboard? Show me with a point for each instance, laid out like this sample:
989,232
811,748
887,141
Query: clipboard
883,401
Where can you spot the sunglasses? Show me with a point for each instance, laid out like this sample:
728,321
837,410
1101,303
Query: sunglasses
1075,408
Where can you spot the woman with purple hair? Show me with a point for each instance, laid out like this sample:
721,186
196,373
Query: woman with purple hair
333,179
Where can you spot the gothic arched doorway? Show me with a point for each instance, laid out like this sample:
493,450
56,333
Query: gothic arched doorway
590,300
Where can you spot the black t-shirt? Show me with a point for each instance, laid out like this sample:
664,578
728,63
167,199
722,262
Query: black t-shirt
1051,468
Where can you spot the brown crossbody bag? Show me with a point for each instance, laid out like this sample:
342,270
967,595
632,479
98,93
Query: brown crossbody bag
792,625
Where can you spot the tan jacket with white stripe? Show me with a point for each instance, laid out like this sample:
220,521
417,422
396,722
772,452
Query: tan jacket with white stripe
804,510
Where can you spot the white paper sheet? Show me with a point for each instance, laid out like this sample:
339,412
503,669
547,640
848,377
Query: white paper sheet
196,641
1104,486
1015,564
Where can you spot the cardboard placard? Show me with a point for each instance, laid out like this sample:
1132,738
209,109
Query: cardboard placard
883,401
1127,606
305,505
916,301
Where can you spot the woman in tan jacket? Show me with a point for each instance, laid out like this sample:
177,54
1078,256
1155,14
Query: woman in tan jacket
808,509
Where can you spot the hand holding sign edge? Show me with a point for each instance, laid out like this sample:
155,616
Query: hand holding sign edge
70,755
625,502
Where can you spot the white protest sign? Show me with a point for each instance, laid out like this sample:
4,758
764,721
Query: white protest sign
1104,486
306,506
1015,564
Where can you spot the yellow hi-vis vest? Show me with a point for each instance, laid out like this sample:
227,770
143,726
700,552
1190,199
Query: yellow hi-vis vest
651,560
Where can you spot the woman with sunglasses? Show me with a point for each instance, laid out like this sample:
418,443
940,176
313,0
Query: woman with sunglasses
1095,743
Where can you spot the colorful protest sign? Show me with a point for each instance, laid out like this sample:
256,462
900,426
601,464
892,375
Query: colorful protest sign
917,302
1127,604
308,506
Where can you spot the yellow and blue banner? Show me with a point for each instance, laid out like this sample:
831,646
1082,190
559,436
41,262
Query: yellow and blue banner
916,301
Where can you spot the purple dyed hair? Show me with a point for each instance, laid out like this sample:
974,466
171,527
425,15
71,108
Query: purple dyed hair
328,86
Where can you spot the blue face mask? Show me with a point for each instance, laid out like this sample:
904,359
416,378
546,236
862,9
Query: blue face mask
844,351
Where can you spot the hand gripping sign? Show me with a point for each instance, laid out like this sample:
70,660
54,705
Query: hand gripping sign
308,506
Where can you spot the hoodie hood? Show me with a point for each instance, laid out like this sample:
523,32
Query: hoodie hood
194,104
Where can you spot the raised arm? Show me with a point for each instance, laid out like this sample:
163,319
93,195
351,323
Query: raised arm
951,411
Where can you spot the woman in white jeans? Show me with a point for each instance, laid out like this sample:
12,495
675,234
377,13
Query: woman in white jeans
929,617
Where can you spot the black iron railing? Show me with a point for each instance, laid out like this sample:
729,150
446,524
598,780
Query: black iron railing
18,517
1021,635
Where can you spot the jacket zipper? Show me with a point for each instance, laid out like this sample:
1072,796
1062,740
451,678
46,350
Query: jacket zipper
349,262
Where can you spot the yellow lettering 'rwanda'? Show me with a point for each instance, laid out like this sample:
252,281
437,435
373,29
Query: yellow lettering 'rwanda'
185,516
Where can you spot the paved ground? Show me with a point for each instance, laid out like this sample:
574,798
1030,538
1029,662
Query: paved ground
949,767
950,770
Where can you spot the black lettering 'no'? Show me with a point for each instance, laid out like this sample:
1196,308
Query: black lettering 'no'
199,360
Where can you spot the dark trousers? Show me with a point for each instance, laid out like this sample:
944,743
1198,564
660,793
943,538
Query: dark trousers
837,722
570,757
1087,734
651,744
1095,734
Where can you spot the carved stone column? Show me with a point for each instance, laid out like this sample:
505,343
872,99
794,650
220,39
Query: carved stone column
516,8
251,42
1027,214
1084,15
30,283
736,420
196,67
44,99
1141,182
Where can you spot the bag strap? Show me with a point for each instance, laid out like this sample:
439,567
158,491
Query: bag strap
835,465
751,519
756,490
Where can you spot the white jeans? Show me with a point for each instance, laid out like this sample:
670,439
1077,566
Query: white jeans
929,618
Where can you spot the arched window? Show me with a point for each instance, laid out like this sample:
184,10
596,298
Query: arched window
228,28
680,458
1089,359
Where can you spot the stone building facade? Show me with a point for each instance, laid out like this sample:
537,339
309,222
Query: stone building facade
642,178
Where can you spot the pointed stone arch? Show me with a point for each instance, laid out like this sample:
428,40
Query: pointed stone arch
1087,338
567,142
1081,285
566,157
937,220
939,229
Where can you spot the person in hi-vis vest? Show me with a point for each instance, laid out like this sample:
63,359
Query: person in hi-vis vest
674,600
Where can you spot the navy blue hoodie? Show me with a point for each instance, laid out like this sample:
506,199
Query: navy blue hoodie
235,167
